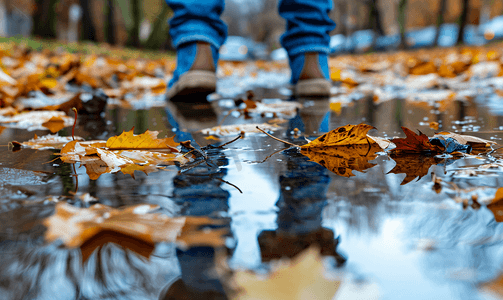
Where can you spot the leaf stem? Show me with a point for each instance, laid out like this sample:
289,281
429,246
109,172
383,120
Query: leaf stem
288,143
74,123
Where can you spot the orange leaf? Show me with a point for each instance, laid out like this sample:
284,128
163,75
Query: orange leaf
414,143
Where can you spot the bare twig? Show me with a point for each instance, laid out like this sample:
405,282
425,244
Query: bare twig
288,143
234,186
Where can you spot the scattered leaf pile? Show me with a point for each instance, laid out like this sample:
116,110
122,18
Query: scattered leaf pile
126,153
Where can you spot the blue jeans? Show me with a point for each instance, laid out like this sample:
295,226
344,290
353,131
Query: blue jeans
307,24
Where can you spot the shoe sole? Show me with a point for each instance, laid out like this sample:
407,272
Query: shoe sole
313,88
193,86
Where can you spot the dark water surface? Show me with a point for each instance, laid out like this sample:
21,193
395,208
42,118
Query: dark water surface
406,241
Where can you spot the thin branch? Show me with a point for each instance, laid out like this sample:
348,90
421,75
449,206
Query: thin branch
223,145
288,143
224,181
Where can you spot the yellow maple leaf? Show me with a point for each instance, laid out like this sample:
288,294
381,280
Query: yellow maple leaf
341,136
147,140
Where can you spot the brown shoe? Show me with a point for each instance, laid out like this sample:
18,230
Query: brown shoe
199,81
311,82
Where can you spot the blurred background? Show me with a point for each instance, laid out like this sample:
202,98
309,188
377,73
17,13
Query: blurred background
362,25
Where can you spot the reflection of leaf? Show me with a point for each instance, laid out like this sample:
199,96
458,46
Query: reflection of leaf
146,140
496,205
135,228
344,135
342,160
301,278
412,165
414,143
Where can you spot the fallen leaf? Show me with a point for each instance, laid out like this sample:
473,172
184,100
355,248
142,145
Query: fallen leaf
434,125
136,228
414,143
342,136
33,120
147,140
300,278
494,287
473,141
237,129
126,152
50,141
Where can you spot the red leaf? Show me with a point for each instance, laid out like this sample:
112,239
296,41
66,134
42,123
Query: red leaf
414,143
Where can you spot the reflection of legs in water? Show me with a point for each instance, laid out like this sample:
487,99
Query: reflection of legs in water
199,193
301,202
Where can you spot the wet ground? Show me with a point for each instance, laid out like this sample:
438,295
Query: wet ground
398,241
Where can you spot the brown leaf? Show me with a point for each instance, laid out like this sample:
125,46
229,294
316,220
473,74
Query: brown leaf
414,143
135,228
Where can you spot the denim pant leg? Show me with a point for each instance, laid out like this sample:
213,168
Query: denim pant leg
197,20
307,25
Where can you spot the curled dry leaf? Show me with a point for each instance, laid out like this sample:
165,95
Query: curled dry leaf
35,120
135,228
237,129
50,141
473,141
300,278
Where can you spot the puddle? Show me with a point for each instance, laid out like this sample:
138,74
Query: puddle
407,240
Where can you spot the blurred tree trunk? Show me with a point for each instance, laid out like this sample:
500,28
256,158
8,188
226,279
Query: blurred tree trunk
401,22
463,19
88,30
159,32
440,20
109,22
134,33
44,19
375,20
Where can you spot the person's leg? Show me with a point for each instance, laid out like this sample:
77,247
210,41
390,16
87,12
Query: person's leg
306,40
197,33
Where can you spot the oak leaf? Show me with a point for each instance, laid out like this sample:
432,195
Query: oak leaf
300,278
415,143
136,228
